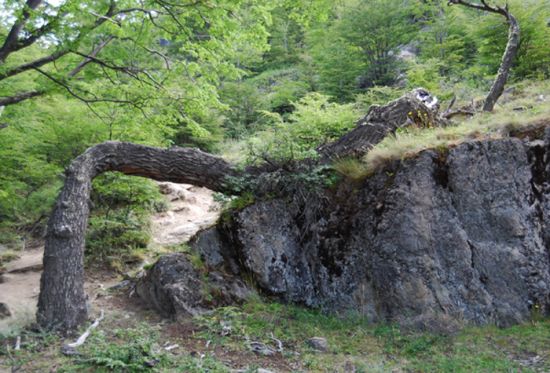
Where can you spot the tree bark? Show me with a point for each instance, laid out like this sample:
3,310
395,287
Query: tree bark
507,60
62,301
512,46
418,108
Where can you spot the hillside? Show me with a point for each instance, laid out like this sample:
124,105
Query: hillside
376,178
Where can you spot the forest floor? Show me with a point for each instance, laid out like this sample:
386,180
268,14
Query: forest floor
133,338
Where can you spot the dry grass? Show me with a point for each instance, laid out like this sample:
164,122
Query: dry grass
525,106
352,169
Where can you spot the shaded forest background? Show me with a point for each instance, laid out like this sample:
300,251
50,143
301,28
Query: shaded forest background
250,80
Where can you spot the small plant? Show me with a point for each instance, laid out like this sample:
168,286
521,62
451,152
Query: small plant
537,313
126,350
351,168
7,256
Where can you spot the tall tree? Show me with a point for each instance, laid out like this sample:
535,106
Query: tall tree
360,49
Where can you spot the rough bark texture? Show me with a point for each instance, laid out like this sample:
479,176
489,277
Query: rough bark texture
416,108
62,301
434,242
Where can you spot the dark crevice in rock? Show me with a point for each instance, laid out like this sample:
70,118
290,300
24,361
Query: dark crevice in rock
441,171
536,156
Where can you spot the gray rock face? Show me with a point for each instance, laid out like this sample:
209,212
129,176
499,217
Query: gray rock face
432,242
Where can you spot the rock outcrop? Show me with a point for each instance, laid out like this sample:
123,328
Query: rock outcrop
176,287
447,238
431,242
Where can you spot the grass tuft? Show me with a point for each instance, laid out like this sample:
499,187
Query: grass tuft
527,107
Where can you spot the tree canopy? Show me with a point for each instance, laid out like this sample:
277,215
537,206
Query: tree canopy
245,78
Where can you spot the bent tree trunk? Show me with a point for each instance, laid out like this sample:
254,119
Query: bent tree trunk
62,300
510,52
506,64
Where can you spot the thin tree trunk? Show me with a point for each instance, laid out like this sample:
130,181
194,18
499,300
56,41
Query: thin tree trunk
506,64
510,52
62,301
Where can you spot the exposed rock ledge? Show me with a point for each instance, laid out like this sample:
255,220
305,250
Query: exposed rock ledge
433,242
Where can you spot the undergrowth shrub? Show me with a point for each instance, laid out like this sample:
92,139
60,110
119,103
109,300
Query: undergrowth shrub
314,122
119,223
139,351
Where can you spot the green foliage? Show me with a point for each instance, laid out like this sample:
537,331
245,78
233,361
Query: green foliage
273,90
115,238
379,95
314,121
119,225
359,49
533,55
34,150
138,352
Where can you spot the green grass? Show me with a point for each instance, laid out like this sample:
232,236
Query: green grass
351,168
127,345
378,347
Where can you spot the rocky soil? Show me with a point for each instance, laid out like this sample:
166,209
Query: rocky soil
19,287
191,209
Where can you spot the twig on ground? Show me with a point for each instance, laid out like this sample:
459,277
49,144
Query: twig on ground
279,343
70,348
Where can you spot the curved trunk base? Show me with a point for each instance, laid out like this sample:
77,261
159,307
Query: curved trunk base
62,300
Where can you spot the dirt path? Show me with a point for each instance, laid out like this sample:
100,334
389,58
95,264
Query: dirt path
19,287
190,209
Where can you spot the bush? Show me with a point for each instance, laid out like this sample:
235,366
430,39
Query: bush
119,224
314,121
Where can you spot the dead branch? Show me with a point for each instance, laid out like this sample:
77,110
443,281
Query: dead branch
70,348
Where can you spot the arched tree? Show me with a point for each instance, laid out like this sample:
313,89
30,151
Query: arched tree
62,300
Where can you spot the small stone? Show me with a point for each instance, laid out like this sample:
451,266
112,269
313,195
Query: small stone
318,343
151,363
4,311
